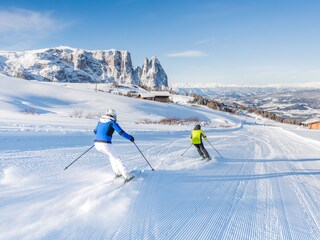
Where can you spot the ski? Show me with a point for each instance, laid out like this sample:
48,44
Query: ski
134,173
129,179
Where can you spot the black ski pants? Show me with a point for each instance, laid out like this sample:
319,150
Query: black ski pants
201,150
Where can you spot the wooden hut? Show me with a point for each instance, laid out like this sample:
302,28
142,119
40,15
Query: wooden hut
156,96
313,123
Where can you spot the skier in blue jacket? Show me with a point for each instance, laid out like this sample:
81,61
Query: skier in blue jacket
103,142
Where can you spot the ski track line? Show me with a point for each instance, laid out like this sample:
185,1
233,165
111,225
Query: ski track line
138,219
238,196
285,229
201,210
212,225
306,200
242,212
267,217
180,215
148,210
157,229
229,210
267,221
242,216
189,217
309,206
164,150
286,148
118,232
286,232
187,229
182,218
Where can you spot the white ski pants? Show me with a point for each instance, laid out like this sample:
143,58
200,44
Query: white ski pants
117,166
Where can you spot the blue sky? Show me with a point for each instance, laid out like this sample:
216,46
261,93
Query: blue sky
197,41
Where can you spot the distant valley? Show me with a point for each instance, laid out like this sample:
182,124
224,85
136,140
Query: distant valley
291,103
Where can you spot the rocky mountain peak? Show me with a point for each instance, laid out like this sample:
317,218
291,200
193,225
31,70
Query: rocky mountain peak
66,64
153,75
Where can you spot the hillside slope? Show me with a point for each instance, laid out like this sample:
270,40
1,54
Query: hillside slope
266,186
53,102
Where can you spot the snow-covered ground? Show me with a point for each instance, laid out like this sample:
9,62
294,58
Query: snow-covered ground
266,186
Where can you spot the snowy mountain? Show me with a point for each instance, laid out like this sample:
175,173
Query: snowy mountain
65,64
266,185
152,74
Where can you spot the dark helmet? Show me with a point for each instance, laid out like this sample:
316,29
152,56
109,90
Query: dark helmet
197,127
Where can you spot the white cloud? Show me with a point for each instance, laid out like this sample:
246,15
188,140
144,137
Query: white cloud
206,40
187,54
22,27
22,20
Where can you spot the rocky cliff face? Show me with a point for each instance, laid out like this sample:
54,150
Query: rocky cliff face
152,74
65,64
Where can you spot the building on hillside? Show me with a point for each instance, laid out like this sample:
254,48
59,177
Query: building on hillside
156,96
313,123
133,93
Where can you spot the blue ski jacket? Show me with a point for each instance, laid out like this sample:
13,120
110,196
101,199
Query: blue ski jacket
105,129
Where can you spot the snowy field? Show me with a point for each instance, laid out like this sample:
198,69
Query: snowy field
266,186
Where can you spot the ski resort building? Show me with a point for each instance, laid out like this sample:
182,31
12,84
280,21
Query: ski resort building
313,123
156,96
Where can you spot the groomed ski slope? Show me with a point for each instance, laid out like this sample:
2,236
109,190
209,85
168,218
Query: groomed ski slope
265,187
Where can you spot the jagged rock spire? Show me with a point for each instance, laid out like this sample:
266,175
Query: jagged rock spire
65,64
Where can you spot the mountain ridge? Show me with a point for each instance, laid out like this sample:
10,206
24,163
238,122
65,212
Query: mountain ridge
67,64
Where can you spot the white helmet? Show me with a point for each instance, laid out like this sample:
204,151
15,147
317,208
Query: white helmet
112,113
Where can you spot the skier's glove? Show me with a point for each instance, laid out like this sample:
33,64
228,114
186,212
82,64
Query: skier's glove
132,139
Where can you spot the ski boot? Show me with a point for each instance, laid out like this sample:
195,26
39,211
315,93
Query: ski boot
117,176
128,179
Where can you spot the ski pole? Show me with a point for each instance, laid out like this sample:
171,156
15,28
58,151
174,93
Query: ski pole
214,148
78,157
144,156
186,150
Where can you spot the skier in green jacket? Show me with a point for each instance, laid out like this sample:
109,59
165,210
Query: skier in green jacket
196,138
